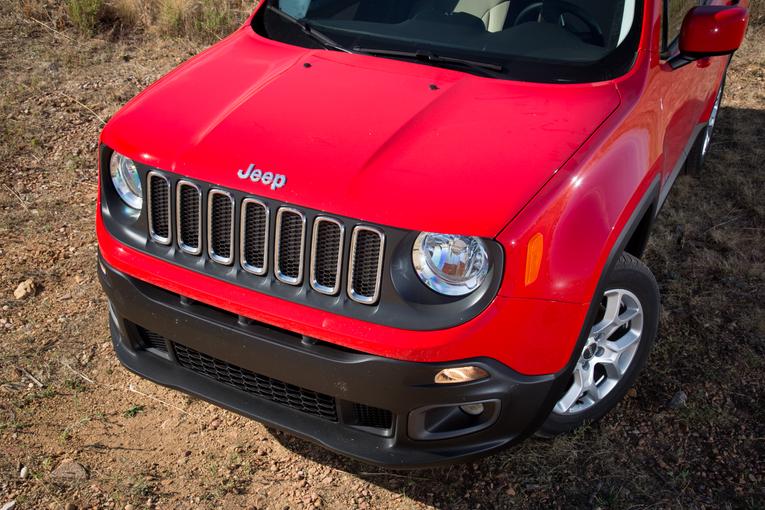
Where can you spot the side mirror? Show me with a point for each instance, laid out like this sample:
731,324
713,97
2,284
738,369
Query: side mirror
709,31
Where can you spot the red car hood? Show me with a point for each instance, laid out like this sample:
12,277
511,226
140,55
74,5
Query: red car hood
384,141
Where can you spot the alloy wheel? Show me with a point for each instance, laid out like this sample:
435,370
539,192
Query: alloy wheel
608,352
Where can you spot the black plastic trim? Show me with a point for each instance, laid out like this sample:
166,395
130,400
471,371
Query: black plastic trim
398,386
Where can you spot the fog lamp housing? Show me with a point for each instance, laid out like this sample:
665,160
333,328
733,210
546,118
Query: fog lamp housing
458,375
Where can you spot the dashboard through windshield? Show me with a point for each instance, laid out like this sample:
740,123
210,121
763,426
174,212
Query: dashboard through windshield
531,40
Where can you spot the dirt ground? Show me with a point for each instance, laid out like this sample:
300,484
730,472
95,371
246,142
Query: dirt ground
145,446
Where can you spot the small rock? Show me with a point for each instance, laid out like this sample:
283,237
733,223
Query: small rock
632,393
679,400
24,289
9,505
69,471
24,473
71,506
129,507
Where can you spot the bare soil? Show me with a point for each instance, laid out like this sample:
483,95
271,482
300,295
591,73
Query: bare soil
145,446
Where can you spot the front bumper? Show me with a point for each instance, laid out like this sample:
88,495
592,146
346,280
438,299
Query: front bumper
516,404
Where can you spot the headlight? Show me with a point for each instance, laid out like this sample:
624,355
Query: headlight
449,264
126,180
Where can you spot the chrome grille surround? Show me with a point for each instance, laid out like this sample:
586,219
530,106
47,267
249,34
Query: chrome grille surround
354,292
212,231
280,275
246,264
315,245
184,244
150,205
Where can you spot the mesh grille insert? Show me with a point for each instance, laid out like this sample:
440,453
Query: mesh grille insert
327,247
366,265
288,395
290,246
151,340
254,237
373,417
189,218
159,201
221,228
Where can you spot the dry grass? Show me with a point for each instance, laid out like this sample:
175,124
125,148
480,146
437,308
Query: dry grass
200,20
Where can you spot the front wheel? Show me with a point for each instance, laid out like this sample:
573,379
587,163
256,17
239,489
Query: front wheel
615,351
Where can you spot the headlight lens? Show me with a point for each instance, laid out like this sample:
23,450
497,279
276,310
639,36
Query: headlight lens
126,180
449,264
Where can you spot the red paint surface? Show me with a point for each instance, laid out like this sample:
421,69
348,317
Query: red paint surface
367,138
713,29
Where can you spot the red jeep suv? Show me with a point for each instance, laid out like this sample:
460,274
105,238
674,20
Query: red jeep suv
409,230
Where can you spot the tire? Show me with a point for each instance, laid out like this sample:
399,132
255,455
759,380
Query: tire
602,376
700,149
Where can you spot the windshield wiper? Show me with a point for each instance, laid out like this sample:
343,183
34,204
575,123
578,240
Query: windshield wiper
485,68
308,30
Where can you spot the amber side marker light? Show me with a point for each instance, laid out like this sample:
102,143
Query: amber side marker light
534,258
460,375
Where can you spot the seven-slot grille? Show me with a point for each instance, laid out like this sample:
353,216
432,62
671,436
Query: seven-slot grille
293,237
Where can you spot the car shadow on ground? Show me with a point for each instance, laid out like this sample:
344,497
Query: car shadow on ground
621,460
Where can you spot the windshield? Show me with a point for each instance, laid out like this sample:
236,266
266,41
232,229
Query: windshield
549,40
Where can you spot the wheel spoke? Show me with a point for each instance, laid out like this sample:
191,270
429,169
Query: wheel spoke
611,315
572,395
628,315
622,344
612,368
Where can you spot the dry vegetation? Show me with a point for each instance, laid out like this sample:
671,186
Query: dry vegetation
65,68
199,20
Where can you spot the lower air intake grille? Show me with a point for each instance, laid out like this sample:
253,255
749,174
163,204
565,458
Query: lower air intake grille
151,340
297,398
372,417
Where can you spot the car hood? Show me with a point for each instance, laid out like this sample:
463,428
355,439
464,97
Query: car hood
384,141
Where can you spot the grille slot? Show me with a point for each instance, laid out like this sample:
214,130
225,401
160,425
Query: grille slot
372,417
254,237
327,255
289,251
159,208
301,399
220,227
365,269
189,217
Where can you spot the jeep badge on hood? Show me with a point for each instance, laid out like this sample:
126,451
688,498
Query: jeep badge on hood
276,181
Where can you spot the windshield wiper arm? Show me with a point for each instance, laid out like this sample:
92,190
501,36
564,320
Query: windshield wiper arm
308,30
486,68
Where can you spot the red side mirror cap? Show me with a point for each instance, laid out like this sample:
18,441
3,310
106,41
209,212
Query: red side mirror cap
713,30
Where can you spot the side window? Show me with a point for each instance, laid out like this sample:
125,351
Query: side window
674,14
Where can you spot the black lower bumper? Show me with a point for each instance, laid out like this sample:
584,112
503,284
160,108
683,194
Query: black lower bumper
375,409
